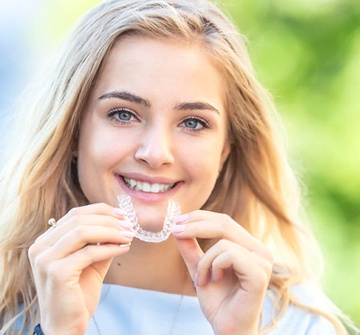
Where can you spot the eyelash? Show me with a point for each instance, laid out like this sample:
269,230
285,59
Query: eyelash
204,124
117,111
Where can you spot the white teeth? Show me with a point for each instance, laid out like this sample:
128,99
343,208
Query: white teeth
155,188
147,187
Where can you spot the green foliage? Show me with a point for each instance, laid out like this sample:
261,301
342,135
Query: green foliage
308,55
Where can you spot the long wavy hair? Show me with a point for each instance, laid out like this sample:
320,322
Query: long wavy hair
256,187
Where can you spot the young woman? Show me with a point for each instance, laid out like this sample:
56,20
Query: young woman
151,108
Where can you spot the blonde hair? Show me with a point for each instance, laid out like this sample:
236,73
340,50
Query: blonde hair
256,186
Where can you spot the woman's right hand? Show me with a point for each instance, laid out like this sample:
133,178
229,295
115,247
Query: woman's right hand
69,264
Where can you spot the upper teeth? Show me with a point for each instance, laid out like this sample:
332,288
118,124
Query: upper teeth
147,187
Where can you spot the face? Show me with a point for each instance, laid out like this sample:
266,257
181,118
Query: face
154,128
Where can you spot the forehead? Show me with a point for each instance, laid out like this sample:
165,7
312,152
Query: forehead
139,62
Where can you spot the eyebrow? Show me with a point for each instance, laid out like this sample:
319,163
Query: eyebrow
123,95
196,106
131,97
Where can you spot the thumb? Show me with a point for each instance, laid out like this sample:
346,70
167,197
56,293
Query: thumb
102,267
191,253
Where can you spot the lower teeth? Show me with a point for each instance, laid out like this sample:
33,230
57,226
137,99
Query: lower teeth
173,211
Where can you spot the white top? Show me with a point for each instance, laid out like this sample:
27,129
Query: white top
131,311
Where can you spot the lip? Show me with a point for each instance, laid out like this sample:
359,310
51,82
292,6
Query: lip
148,179
147,196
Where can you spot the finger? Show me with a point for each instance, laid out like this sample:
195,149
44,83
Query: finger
63,244
250,271
96,209
93,209
95,258
85,220
68,269
248,267
209,225
191,253
81,236
207,269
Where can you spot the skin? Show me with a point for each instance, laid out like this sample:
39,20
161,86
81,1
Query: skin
159,119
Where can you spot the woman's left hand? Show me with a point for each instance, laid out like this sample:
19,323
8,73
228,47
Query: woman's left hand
231,278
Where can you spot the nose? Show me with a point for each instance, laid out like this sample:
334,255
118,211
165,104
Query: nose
155,148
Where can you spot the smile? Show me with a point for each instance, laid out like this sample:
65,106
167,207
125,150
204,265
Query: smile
147,187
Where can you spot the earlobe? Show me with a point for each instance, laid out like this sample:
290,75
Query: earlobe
75,151
74,156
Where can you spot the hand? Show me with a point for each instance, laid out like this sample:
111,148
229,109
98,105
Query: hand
231,277
69,264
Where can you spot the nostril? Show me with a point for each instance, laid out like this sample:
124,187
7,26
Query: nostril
155,154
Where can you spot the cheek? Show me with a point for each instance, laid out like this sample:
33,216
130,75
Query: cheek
98,145
93,153
98,153
206,156
203,164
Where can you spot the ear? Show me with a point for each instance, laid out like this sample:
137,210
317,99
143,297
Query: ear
224,154
74,156
75,151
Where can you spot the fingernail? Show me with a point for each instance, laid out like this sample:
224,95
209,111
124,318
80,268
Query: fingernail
125,245
196,280
181,218
125,224
128,234
119,211
178,228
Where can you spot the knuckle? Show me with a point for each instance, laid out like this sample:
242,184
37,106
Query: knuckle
264,278
99,208
269,268
74,212
32,252
201,263
226,222
80,232
233,253
268,255
223,244
35,250
40,264
266,270
103,206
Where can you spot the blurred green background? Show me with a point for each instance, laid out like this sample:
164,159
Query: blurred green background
307,53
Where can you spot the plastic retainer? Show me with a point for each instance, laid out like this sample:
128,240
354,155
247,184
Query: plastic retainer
173,211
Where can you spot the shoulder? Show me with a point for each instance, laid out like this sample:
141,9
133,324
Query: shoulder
298,320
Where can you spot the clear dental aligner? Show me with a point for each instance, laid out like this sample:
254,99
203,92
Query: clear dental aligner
173,211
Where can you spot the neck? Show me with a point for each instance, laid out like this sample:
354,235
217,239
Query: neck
152,266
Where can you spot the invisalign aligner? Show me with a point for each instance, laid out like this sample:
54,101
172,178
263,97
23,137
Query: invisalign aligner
173,211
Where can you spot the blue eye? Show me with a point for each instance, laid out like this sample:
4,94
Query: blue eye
195,124
122,115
